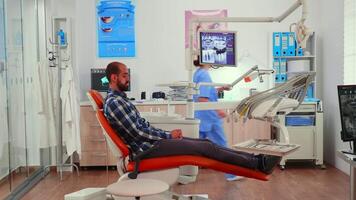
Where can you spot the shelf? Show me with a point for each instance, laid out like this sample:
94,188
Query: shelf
300,72
295,57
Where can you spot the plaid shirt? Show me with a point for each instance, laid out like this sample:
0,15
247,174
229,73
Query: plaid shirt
123,116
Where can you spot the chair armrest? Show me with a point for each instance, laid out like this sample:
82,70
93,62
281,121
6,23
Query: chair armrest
137,159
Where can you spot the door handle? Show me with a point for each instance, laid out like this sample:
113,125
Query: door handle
2,66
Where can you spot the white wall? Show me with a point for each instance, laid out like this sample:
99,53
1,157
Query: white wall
160,37
332,59
160,47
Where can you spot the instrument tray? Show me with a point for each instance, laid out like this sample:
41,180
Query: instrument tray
269,147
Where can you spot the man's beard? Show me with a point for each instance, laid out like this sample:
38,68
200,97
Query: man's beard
123,87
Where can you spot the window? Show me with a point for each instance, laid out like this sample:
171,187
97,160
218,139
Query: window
349,41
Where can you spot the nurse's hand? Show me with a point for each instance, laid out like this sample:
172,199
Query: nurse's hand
176,134
221,113
228,88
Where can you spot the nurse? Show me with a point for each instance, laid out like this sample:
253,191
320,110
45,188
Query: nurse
211,121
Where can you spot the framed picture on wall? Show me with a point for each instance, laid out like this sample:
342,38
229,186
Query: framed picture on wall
116,28
193,14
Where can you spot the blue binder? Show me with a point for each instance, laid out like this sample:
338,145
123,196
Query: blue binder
276,69
291,44
300,52
284,43
310,91
283,70
276,44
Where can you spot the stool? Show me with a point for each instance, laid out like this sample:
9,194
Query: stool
137,188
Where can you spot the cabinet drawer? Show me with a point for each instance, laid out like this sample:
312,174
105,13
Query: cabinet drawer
93,159
93,144
306,108
88,115
152,108
91,131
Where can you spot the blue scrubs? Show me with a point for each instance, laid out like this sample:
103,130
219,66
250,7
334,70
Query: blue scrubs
211,125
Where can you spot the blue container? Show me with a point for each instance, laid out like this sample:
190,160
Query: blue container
295,120
116,28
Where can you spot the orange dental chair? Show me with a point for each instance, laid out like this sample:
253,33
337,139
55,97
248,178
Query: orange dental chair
130,167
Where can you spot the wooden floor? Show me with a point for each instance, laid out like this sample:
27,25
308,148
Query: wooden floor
18,176
294,183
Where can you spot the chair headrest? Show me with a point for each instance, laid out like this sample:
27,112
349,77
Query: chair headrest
112,133
96,98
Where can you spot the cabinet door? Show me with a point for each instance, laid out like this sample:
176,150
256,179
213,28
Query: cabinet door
228,122
250,129
181,110
304,136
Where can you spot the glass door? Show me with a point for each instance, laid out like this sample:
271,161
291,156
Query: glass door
15,95
4,134
21,127
30,60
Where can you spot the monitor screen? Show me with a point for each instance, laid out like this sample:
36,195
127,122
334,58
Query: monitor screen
99,81
347,103
218,48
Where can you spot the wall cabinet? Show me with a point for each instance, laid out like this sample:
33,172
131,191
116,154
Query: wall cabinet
94,149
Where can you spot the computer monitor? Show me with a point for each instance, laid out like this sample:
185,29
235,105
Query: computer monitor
347,103
218,48
99,81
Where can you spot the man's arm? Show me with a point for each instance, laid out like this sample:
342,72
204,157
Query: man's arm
129,119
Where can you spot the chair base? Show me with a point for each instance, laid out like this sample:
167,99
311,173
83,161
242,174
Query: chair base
186,179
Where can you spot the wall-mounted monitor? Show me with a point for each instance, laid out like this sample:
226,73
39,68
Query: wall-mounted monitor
347,103
218,48
99,81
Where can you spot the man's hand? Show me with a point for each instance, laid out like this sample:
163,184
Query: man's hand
221,113
176,134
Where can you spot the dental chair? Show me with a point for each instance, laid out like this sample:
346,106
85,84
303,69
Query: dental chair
165,169
138,164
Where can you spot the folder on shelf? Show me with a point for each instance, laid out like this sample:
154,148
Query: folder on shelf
276,68
300,51
310,91
276,44
284,43
283,70
291,44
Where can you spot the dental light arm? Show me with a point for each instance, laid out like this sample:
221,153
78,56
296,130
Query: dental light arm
254,69
281,99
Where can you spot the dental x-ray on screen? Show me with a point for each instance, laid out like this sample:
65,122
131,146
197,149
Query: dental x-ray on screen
218,48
